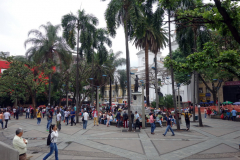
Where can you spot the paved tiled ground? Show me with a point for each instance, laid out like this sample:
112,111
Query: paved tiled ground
219,141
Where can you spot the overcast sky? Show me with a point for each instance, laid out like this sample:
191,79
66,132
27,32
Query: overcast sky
17,17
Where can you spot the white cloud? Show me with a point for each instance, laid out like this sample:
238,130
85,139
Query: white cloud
19,17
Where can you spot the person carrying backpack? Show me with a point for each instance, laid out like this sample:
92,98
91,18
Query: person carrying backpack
51,141
187,119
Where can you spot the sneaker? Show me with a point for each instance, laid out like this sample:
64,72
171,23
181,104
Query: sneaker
163,134
173,134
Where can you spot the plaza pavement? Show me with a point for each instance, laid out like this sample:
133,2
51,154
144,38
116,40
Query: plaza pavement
219,140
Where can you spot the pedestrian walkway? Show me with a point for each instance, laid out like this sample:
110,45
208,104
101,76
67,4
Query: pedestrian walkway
218,141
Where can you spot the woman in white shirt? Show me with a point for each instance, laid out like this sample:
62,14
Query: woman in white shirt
53,146
66,114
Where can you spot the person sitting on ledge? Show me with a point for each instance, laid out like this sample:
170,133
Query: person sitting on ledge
20,144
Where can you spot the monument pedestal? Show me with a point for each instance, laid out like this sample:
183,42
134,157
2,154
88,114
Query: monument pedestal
137,103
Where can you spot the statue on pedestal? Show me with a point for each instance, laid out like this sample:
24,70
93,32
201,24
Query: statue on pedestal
136,85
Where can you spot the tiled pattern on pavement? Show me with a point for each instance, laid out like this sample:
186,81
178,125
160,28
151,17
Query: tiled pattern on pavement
221,140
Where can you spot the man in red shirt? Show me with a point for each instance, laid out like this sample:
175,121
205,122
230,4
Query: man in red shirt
95,116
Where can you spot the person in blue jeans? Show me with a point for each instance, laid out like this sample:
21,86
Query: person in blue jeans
53,146
228,115
152,122
1,118
169,125
49,118
85,119
234,114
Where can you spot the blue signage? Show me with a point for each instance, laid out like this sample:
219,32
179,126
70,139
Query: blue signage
208,94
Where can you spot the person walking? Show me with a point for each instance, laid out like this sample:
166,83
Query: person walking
152,122
43,112
6,117
39,116
14,112
49,118
27,112
187,119
125,119
1,118
132,117
17,113
20,144
118,117
234,114
66,114
95,116
72,113
169,125
32,113
53,146
58,119
85,119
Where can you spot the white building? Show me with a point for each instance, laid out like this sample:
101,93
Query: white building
163,74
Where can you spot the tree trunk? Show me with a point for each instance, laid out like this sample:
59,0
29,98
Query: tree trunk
49,90
156,82
147,73
172,75
194,94
77,76
128,70
34,103
110,95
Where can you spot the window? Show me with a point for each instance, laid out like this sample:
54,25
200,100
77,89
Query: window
200,90
105,93
113,93
207,90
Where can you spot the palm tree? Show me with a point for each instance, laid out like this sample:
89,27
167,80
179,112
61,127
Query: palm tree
126,13
48,47
72,25
115,62
150,35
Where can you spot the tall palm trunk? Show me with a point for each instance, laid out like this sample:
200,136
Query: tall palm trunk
172,75
77,76
110,95
128,70
156,81
147,73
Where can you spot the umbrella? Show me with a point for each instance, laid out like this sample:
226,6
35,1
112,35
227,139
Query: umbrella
236,103
227,102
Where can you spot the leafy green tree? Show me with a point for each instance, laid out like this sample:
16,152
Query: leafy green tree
47,47
24,79
168,101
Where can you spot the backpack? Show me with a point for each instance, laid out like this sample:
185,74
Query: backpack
49,139
186,117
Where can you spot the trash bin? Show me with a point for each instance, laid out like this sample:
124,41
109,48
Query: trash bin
196,118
